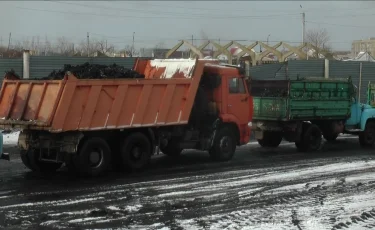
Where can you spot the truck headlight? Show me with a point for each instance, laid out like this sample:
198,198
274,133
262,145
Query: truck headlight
250,124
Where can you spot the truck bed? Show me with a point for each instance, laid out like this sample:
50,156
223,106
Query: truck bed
285,100
165,97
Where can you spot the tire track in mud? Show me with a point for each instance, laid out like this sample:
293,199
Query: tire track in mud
234,196
160,203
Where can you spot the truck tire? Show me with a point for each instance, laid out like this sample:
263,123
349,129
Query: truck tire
330,137
136,152
224,145
367,137
271,139
311,139
94,157
37,165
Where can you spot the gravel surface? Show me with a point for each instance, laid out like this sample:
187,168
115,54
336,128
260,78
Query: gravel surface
259,189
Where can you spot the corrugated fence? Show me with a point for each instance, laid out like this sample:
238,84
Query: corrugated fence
41,66
315,68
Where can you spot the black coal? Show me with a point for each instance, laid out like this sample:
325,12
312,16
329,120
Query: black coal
94,71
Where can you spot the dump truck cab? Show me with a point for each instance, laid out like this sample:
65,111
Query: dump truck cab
362,118
231,98
92,124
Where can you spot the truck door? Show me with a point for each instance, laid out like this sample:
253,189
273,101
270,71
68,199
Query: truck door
238,100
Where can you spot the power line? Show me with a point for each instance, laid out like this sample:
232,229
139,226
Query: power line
163,12
332,24
263,17
257,10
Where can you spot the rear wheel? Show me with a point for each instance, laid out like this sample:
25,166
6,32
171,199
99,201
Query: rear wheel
31,159
136,152
271,139
94,157
367,137
311,139
224,145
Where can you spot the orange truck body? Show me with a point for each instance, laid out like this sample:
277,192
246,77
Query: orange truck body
164,97
91,124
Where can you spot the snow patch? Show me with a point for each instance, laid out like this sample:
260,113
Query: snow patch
173,66
11,139
86,219
113,208
134,208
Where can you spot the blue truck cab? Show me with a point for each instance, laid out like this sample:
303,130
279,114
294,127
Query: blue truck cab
362,118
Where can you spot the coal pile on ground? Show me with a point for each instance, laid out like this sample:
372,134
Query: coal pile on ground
94,71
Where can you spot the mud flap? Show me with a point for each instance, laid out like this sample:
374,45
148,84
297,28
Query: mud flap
216,126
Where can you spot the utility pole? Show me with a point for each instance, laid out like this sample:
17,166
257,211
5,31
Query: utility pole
88,44
303,27
268,38
192,39
10,37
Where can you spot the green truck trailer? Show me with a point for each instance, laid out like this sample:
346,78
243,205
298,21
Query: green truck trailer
300,111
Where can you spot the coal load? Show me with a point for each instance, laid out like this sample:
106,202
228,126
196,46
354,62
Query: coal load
94,71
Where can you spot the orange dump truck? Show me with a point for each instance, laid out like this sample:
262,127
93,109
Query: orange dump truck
91,125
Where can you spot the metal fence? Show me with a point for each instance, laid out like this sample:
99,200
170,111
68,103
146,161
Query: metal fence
41,66
316,68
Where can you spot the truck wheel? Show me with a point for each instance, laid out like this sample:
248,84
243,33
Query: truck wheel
171,150
94,157
136,152
271,139
224,145
311,139
37,165
330,137
367,137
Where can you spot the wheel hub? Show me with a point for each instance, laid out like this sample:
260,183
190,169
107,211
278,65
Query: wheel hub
136,152
96,158
225,144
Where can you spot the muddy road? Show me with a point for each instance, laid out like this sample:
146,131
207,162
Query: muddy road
258,189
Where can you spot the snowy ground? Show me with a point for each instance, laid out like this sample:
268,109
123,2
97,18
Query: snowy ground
259,189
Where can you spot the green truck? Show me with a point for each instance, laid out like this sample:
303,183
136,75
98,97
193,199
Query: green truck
301,111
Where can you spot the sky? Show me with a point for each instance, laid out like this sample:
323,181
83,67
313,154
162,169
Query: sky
166,22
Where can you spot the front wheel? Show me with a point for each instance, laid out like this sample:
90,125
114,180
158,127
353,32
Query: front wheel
224,145
367,137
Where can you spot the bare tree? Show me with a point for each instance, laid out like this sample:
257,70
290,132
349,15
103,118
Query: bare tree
64,46
104,47
319,38
129,52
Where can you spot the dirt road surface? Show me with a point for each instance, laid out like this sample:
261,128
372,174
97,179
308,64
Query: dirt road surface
259,189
